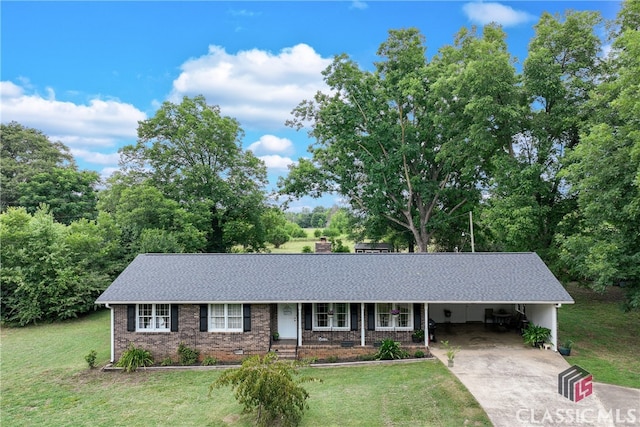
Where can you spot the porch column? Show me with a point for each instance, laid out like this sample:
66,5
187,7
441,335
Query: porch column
426,324
299,323
554,326
362,330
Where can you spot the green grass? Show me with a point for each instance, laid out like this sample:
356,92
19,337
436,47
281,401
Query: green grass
45,381
605,338
294,246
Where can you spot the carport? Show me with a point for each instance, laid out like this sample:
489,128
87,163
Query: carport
499,317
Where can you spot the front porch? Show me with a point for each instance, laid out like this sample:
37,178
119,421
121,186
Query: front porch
288,349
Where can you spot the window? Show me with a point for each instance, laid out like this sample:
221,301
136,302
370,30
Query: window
225,317
331,316
154,317
394,316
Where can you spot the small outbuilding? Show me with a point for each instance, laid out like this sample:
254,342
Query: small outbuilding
231,305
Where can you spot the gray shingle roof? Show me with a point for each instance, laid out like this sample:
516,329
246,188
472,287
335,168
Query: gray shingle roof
395,277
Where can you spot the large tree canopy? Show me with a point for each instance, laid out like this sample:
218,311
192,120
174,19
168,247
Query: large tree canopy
601,241
36,170
410,142
528,195
194,156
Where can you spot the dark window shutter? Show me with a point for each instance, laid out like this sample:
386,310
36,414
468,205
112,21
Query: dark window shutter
355,308
371,317
308,317
175,312
204,312
131,318
246,314
417,318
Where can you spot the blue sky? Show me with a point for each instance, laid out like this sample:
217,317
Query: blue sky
85,73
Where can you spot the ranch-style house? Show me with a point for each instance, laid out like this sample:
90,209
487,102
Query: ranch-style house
229,306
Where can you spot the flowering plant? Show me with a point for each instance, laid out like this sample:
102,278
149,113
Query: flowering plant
395,311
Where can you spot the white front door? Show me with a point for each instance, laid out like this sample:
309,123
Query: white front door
287,315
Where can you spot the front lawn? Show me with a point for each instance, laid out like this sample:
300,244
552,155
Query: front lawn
606,340
45,381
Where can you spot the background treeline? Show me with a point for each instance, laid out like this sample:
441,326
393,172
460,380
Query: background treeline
545,155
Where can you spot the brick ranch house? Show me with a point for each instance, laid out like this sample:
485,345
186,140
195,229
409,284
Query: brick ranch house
229,305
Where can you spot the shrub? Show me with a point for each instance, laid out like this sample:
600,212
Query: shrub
536,334
166,361
267,386
188,356
390,349
209,361
418,354
317,232
91,359
332,359
307,249
367,357
133,358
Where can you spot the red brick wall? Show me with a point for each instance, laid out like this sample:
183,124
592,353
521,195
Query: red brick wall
224,346
235,346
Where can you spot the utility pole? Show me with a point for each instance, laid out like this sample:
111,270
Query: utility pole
473,245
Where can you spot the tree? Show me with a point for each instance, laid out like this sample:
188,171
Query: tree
194,156
36,170
275,224
49,271
410,142
267,386
528,194
151,222
601,241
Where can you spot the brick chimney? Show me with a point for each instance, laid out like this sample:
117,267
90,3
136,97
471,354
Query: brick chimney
323,246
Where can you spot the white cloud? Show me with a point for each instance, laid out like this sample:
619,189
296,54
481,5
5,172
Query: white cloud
95,157
86,129
271,144
357,4
275,161
256,87
485,13
98,123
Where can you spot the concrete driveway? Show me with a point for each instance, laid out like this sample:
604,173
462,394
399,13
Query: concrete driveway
518,386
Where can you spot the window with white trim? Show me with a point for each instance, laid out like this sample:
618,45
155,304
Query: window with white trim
225,317
394,316
153,317
333,315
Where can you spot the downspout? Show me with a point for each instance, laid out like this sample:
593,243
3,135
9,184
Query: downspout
112,332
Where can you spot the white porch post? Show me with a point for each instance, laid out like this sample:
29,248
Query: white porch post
362,330
299,324
113,324
554,326
426,324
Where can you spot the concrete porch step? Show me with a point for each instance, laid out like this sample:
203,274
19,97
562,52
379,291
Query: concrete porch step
285,350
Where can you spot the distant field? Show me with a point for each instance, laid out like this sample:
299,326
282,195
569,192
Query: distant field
295,246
